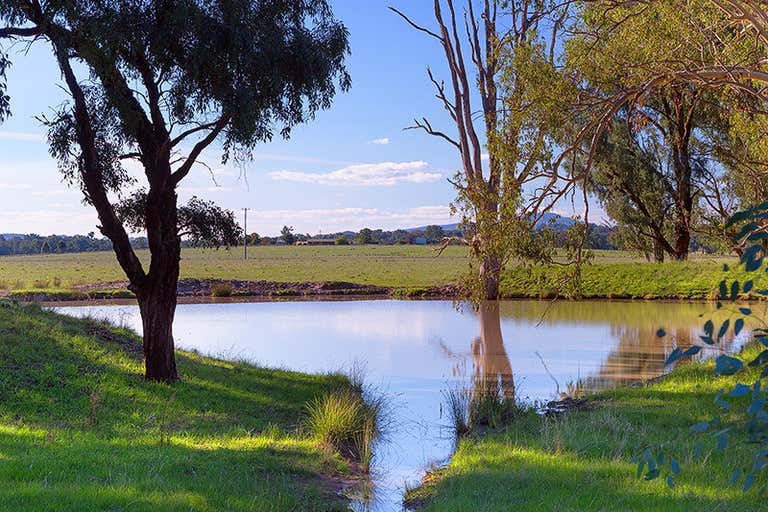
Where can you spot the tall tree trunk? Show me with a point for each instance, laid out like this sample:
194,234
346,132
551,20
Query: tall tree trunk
682,242
157,294
658,251
158,307
490,275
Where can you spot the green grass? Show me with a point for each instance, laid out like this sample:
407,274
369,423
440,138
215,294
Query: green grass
379,265
581,461
695,279
348,423
614,274
81,430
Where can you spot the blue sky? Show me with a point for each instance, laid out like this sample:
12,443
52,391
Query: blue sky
352,167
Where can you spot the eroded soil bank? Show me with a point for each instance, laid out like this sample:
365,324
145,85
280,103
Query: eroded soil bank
203,288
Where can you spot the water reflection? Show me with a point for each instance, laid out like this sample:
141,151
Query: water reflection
493,369
412,351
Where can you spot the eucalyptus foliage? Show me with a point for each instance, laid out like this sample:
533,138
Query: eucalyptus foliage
747,400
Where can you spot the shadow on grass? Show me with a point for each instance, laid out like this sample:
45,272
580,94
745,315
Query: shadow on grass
80,429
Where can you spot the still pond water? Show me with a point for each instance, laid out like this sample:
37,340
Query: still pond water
414,351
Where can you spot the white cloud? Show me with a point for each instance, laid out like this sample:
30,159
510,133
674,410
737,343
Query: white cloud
14,186
381,142
213,156
54,193
366,175
21,136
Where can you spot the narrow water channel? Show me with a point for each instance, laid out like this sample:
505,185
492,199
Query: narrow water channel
416,350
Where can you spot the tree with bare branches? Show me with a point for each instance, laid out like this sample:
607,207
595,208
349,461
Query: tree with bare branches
498,57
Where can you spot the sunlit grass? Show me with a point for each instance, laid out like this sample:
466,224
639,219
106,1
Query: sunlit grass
581,460
613,274
81,430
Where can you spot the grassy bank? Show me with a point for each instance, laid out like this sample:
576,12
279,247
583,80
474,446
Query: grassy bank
613,274
697,279
581,460
81,430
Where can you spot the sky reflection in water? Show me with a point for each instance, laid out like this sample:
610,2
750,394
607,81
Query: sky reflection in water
415,350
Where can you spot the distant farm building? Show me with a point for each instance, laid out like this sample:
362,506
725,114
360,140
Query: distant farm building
317,241
419,240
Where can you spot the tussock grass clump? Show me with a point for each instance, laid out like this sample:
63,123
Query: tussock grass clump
457,405
484,406
41,284
222,290
491,406
349,422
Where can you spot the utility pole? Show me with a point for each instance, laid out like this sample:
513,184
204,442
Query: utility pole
245,234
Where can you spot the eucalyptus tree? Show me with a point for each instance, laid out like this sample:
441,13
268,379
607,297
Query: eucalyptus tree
158,82
657,154
501,61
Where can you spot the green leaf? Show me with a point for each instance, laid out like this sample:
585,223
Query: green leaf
736,475
709,327
652,474
748,286
752,265
738,217
707,339
748,481
734,290
738,325
697,449
727,365
674,466
745,311
722,442
670,481
661,333
750,256
674,356
723,329
760,360
740,390
757,405
692,351
700,427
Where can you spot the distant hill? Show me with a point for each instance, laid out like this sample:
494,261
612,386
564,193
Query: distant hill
446,227
549,219
556,221
11,236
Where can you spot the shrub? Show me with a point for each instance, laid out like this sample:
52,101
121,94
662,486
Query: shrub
222,290
347,423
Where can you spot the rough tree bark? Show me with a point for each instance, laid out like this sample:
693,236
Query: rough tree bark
156,295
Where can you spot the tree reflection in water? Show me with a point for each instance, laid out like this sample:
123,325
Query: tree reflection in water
488,392
490,399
